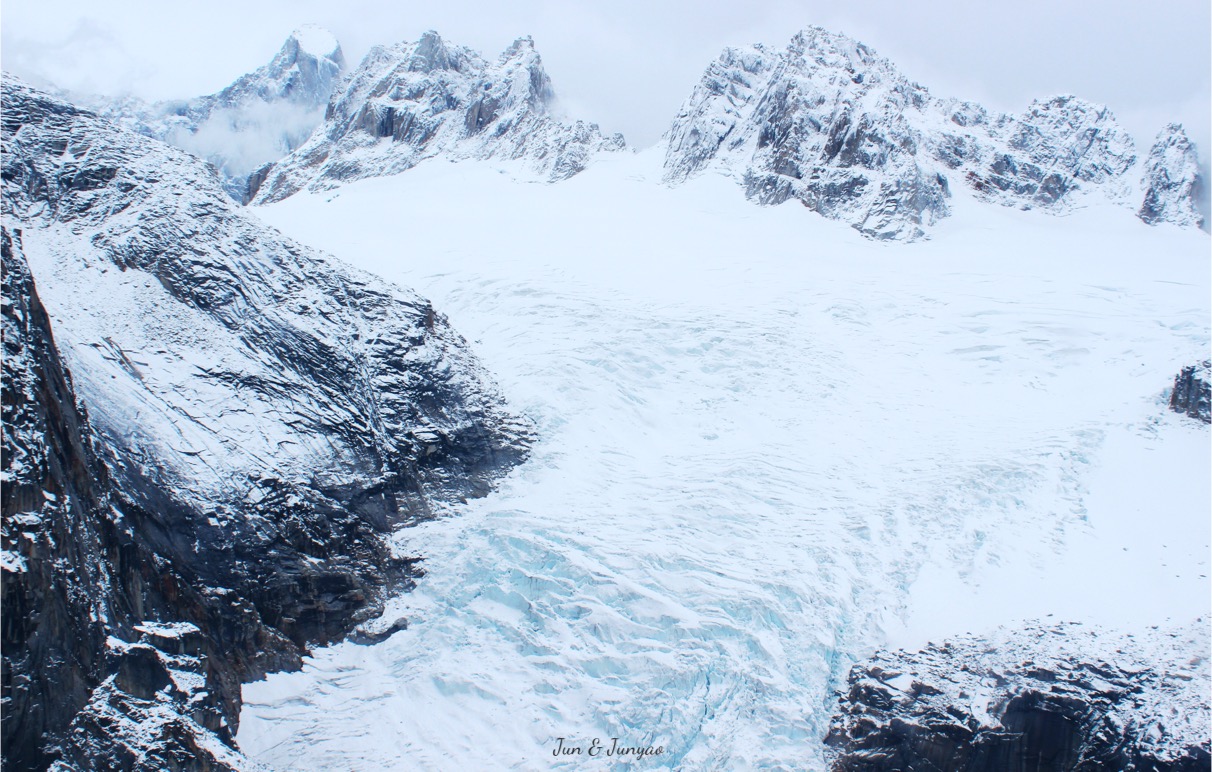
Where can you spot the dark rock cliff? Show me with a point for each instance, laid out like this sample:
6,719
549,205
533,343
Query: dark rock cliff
259,419
1047,699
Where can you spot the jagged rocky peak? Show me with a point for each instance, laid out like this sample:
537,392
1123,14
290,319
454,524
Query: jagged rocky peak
528,81
1171,180
259,118
304,71
828,122
418,100
431,53
1055,697
260,418
825,121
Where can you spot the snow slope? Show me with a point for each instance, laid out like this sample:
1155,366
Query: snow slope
768,446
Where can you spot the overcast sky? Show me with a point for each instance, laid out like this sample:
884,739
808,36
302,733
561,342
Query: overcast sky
628,64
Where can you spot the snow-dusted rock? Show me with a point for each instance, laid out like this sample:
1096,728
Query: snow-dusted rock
1048,156
259,418
1063,697
414,101
256,120
1172,182
1192,393
828,122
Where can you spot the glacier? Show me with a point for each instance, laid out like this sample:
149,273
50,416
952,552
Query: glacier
771,452
768,446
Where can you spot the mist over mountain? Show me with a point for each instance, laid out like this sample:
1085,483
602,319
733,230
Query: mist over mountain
256,120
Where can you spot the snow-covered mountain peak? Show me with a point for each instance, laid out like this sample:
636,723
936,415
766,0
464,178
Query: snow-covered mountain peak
528,83
834,50
318,42
304,71
825,121
1066,142
431,53
829,122
414,101
521,46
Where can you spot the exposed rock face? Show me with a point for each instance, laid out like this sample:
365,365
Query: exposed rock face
829,123
1192,394
76,581
1172,181
414,101
1043,699
256,120
261,418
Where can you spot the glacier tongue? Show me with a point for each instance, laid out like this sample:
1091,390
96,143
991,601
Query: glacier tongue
759,436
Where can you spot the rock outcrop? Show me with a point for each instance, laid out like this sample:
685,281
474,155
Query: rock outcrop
1047,699
259,419
414,101
1192,393
256,120
829,123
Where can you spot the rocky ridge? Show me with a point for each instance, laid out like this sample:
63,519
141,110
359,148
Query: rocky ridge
411,102
828,122
256,421
1047,698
